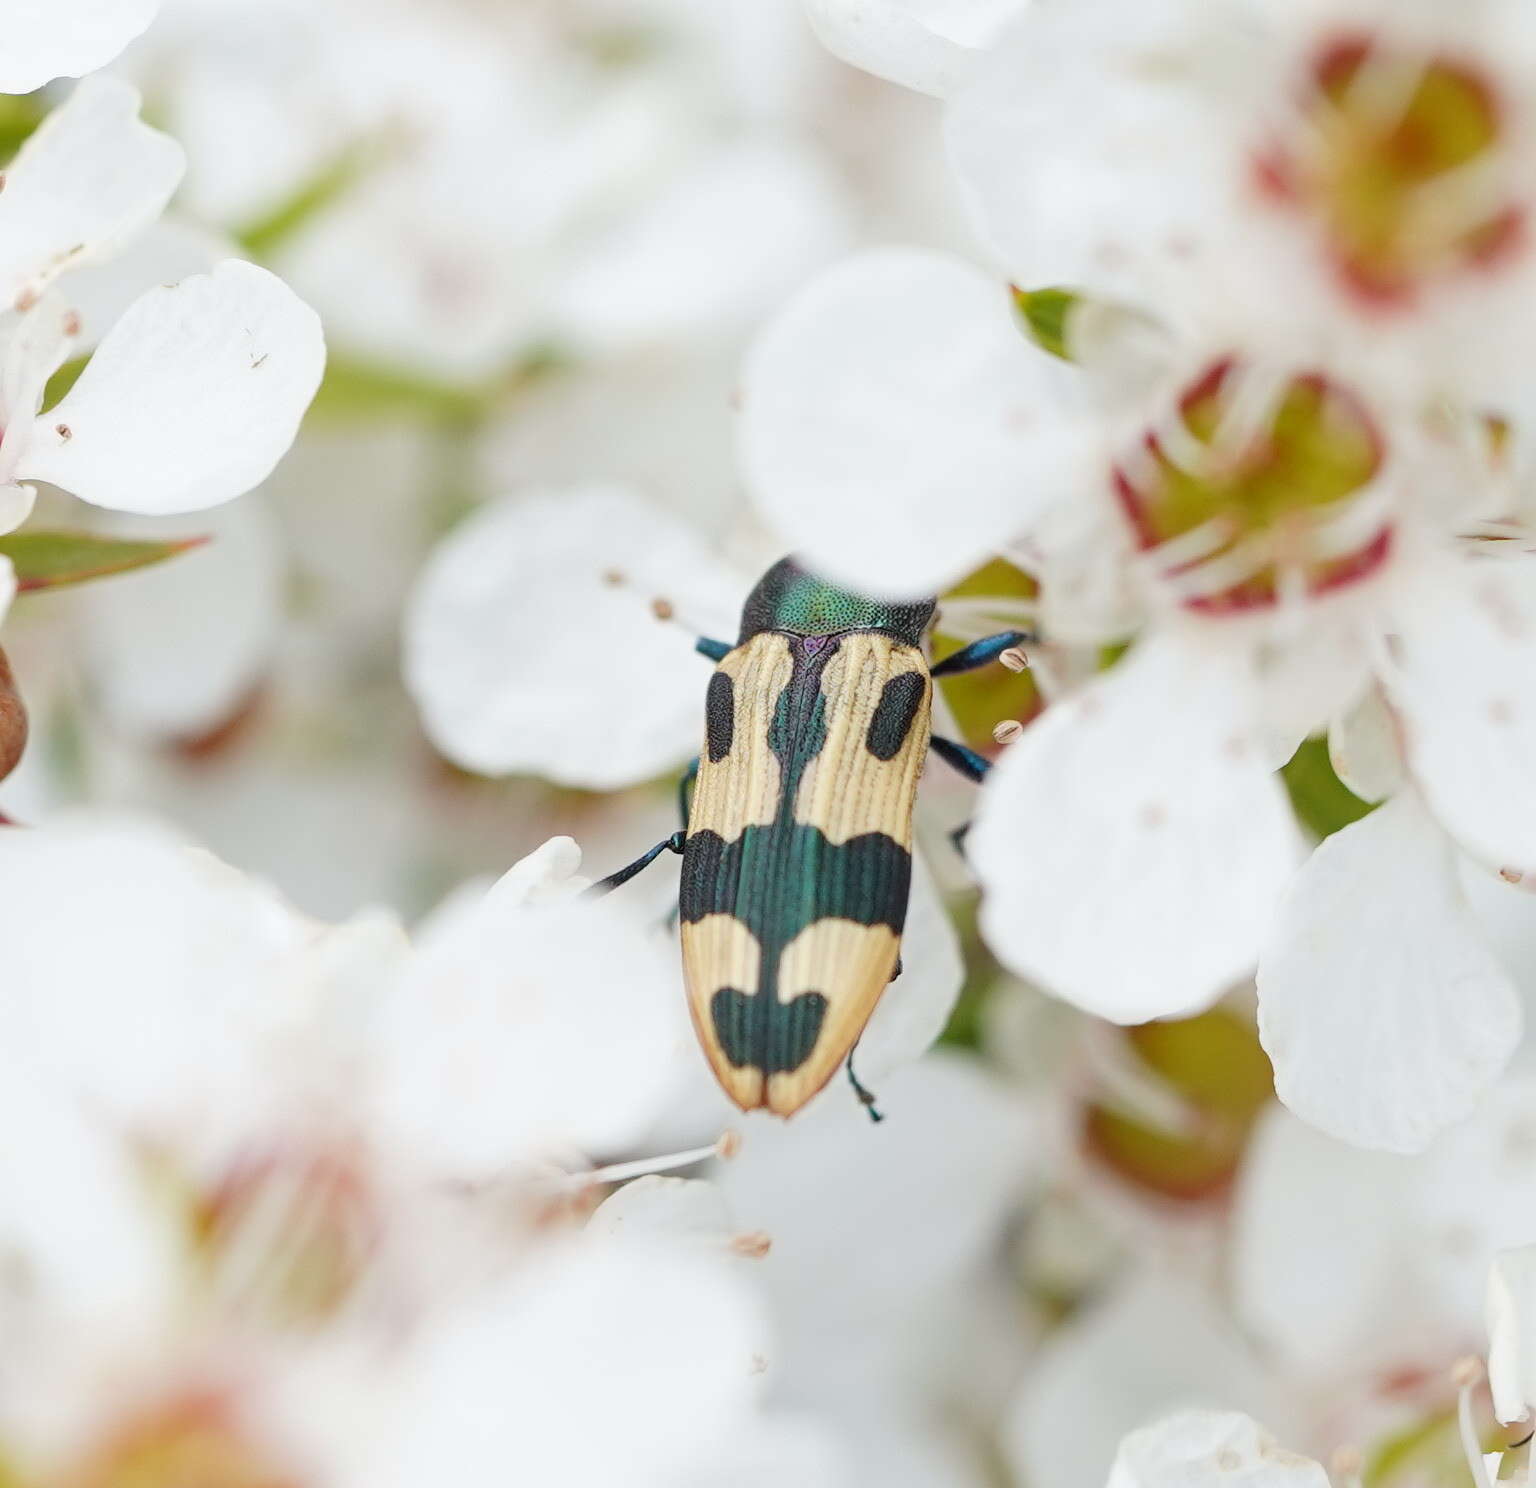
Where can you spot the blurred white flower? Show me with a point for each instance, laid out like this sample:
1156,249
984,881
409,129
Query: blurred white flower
529,1024
1187,158
897,1329
595,1365
48,39
497,184
924,44
134,624
1352,1265
531,644
143,974
1156,1342
1205,1449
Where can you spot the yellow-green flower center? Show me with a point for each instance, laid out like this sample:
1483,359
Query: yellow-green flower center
1402,162
1253,492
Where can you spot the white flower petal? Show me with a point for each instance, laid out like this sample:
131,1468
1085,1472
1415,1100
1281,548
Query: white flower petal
1210,1449
77,1220
7,587
192,398
598,1365
1097,152
1463,683
916,1006
174,650
531,644
659,1209
708,254
1452,1220
90,177
166,252
901,1325
1383,1010
1325,1250
1115,1366
1512,1333
519,1033
923,44
16,503
547,875
142,972
1364,748
1133,845
48,39
897,426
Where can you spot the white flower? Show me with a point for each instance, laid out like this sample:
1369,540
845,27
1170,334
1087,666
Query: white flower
87,180
195,392
1188,158
897,428
597,1364
914,1334
1134,843
142,973
1298,536
528,1023
1384,1011
1156,1342
48,39
925,44
496,187
191,400
531,643
1208,1449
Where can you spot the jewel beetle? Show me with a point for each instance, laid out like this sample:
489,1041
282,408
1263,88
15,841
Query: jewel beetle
797,843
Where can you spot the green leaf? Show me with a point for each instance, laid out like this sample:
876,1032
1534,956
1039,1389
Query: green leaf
264,235
19,116
1322,801
354,391
1044,313
1213,1063
52,560
63,380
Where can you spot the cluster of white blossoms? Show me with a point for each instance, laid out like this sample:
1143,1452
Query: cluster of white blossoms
1243,382
286,1202
1229,404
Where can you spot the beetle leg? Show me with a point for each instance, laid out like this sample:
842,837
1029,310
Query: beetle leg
714,650
603,886
959,757
897,972
866,1097
981,653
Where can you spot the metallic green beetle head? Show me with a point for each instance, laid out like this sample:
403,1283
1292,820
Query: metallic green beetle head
788,598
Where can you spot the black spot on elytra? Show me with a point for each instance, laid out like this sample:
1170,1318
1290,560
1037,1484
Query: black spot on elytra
894,713
759,1030
720,716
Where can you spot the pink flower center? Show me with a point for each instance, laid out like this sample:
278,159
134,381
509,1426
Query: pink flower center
1402,164
290,1231
189,1442
1249,494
